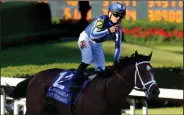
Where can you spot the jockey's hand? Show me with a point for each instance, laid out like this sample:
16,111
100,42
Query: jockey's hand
114,28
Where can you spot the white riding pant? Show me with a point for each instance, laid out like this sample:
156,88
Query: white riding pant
91,52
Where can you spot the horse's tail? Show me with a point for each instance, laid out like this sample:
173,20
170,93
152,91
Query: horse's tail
20,90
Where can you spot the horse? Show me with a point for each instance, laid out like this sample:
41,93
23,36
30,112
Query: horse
103,95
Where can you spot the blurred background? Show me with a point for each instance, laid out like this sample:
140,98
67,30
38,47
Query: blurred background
42,34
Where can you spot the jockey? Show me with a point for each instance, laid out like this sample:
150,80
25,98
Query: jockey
90,40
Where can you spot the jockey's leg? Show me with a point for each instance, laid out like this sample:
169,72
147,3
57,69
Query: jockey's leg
86,52
99,59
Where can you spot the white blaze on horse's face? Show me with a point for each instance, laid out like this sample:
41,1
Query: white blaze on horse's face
148,67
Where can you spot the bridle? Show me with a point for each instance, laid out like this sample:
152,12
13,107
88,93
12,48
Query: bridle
151,82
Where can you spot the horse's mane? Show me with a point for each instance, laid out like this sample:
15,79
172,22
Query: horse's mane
124,61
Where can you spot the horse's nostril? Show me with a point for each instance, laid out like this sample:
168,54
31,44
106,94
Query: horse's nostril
156,92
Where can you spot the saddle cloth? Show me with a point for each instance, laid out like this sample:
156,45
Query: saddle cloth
60,88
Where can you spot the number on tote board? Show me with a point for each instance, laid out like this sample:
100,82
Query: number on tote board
166,15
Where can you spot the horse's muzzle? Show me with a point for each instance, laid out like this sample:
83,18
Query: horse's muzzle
154,91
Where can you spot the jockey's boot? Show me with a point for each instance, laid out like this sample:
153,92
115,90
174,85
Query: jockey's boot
100,74
78,78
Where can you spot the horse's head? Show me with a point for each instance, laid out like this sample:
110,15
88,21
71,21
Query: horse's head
144,77
141,68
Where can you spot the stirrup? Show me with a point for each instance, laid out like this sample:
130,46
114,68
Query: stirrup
91,77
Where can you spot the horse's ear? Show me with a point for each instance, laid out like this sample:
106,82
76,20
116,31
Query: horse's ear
136,53
150,55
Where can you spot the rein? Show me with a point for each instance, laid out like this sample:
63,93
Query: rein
106,95
119,76
106,82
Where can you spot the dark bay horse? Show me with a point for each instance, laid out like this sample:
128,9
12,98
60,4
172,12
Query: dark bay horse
103,96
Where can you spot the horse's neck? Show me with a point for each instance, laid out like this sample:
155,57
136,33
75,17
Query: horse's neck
118,90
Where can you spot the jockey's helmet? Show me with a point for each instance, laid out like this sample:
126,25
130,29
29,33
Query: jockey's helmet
118,8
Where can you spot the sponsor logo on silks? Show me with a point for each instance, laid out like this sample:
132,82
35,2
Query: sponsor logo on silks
99,23
83,44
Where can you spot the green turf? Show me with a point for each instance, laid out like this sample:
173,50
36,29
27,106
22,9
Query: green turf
166,47
164,111
19,61
176,47
161,111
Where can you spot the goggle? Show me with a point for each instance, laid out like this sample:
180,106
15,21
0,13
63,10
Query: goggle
118,15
